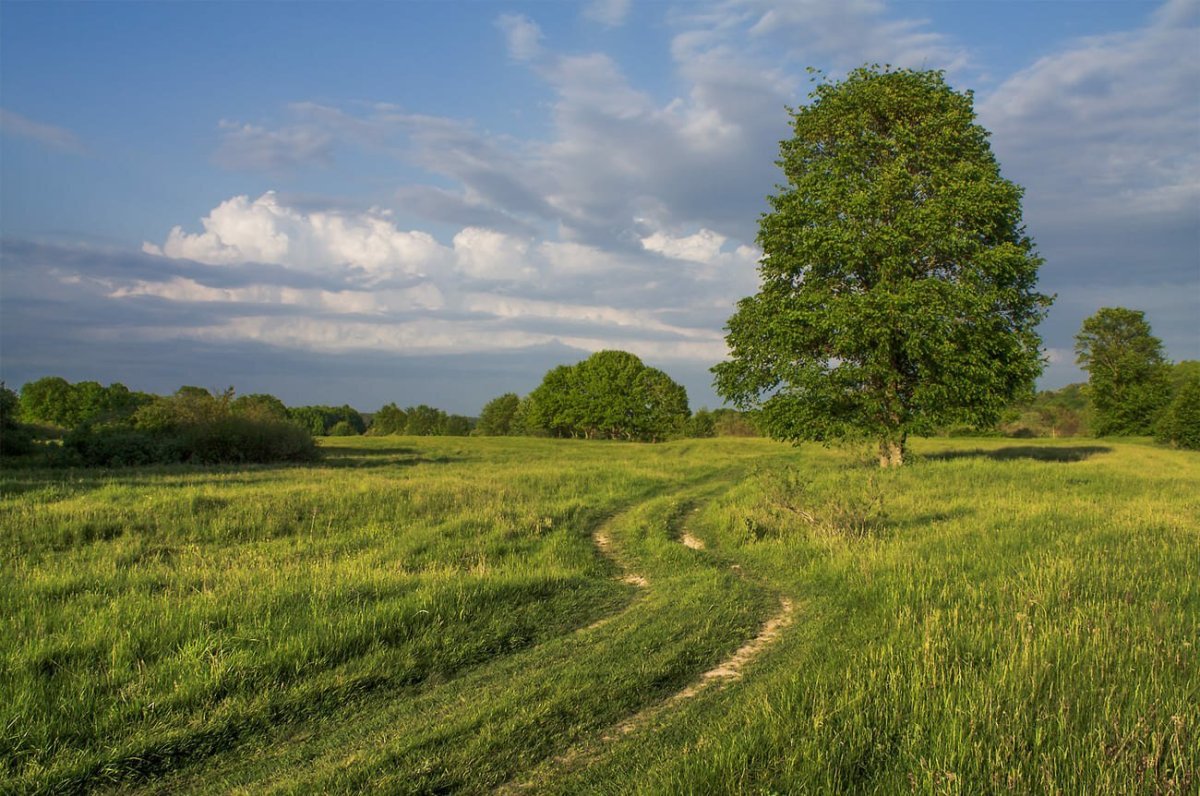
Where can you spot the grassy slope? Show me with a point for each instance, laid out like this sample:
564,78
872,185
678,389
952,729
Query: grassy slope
416,616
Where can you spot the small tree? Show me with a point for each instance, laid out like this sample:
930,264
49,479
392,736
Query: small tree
898,285
425,421
1179,424
390,419
1128,380
609,395
496,417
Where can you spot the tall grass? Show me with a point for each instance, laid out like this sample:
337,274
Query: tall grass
425,616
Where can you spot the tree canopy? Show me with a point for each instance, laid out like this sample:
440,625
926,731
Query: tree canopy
497,416
609,395
1128,378
898,287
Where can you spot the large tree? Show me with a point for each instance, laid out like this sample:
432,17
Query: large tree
1128,378
898,285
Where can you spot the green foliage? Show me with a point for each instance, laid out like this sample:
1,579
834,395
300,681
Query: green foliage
732,423
342,428
191,426
458,426
320,420
390,419
1180,423
261,406
15,438
609,395
425,421
496,417
55,401
701,424
898,285
1128,379
1051,413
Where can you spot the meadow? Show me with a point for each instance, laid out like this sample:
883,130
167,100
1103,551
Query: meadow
468,615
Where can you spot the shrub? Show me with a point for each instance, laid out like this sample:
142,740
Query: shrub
1180,423
342,428
16,439
120,446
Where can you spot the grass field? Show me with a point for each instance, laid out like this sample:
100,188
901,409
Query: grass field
442,615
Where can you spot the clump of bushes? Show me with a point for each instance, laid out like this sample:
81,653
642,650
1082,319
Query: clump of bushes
1179,424
191,426
15,438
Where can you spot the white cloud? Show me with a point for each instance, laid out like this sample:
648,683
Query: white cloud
608,12
1108,126
487,254
522,35
265,231
851,33
342,302
702,247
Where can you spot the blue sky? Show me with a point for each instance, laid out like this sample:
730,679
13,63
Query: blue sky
436,202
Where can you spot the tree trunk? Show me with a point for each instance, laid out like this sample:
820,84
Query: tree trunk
891,451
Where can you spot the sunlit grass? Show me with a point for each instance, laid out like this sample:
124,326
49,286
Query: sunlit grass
417,615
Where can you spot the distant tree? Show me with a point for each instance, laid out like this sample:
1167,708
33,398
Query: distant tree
1179,425
457,426
48,400
732,423
259,405
54,401
342,428
390,419
660,407
425,421
15,438
1128,379
701,424
610,395
496,417
311,418
1051,413
319,420
898,286
551,407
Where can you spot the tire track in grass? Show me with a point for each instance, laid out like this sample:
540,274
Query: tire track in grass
728,670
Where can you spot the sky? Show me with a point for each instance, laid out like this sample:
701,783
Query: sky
436,202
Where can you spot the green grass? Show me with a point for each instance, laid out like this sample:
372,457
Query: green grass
424,615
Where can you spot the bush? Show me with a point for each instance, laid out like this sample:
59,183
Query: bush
16,439
342,428
121,446
191,426
1180,422
242,439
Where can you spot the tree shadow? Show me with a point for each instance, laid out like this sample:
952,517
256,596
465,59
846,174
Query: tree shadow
1035,452
357,458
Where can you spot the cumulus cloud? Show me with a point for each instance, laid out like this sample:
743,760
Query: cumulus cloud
263,230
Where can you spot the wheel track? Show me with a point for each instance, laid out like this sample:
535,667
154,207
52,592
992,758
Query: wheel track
728,670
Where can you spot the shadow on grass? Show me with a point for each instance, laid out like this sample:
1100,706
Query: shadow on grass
393,457
1035,452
